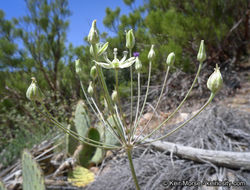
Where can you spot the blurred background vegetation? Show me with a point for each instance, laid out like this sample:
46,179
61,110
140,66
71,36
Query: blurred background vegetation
176,26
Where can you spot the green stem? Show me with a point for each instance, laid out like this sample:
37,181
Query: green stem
157,104
146,96
107,125
177,109
183,124
138,103
131,90
129,154
95,111
72,133
109,101
118,97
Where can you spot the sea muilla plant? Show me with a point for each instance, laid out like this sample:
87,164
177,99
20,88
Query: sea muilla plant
125,134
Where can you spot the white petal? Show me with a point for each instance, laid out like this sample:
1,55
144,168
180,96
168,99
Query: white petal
127,63
104,65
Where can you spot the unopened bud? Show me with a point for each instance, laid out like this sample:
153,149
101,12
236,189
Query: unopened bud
130,39
93,36
151,54
138,65
93,72
170,59
215,82
33,92
78,66
93,50
114,96
90,89
202,52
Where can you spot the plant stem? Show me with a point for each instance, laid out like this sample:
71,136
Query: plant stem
145,99
72,133
183,124
118,97
180,105
131,90
129,154
157,104
109,101
138,104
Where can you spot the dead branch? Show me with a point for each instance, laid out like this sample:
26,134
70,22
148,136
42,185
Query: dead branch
236,160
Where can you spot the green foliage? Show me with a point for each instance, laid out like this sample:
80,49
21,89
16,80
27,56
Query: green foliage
110,20
71,143
17,125
98,156
42,32
87,153
107,136
178,26
82,121
31,172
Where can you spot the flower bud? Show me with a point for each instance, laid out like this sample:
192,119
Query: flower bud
114,96
170,59
215,82
130,39
33,92
93,50
93,72
78,66
151,54
93,36
201,56
90,89
138,65
136,54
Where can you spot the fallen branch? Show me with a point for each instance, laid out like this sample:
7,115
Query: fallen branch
236,160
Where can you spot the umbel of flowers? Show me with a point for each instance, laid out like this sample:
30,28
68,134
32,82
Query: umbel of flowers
123,132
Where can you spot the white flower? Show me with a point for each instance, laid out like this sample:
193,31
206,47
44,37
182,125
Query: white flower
116,63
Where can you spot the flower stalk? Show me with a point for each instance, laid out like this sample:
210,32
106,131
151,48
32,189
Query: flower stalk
129,154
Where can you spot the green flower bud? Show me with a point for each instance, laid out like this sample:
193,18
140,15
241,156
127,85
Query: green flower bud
170,59
130,39
93,72
93,50
215,82
151,54
33,92
138,65
202,52
78,66
93,37
90,89
114,96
